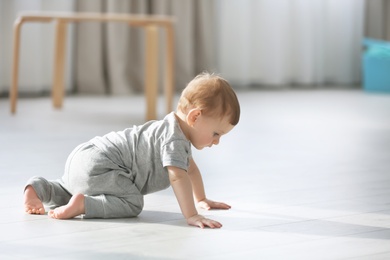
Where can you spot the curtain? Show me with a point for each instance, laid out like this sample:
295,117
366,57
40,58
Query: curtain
109,57
377,23
250,42
285,42
105,58
36,49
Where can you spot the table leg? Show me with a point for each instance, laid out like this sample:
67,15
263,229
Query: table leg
58,88
15,67
151,71
169,67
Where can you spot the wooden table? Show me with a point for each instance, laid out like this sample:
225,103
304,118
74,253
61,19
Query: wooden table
150,23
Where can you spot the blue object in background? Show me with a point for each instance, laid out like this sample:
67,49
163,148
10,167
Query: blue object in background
376,65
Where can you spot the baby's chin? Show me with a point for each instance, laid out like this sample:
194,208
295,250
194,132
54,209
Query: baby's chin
201,147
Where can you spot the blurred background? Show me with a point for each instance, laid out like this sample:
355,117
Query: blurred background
252,43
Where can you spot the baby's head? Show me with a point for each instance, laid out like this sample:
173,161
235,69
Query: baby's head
213,96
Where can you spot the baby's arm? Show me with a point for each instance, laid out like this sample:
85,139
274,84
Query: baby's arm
198,189
182,187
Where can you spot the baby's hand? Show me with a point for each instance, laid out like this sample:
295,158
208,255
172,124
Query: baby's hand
209,204
200,221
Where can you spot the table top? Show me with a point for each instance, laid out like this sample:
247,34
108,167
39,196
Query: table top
136,19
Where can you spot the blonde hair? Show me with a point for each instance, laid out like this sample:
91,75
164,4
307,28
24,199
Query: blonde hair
213,95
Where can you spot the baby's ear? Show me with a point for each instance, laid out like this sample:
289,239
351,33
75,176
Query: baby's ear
193,115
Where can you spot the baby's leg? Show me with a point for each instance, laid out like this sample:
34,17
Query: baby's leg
108,206
74,208
101,206
39,191
32,204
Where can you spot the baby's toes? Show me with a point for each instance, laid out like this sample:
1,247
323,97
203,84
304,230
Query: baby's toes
29,210
37,211
52,214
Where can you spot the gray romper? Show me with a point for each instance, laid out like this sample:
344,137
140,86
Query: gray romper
115,171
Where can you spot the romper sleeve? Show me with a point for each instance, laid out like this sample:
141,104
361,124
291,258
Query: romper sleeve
176,153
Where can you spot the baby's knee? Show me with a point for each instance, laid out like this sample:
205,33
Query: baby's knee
135,205
136,211
108,206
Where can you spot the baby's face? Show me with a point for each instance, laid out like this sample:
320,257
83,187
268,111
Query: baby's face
207,131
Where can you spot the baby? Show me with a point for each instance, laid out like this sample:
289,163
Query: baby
108,176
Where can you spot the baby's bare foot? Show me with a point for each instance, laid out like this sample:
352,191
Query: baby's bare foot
32,204
74,208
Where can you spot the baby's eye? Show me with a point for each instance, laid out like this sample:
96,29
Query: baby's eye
215,134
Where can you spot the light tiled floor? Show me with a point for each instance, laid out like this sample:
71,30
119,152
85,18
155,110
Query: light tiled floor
307,174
